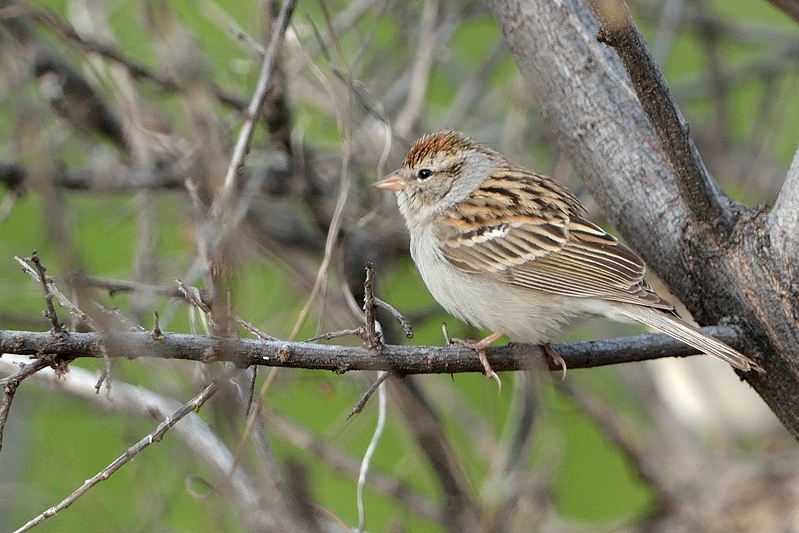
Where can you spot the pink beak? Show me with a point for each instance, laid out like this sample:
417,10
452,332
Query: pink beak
393,182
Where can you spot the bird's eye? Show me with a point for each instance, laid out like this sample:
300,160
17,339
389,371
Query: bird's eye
425,173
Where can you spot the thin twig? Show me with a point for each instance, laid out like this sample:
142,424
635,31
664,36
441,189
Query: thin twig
367,456
192,295
342,119
26,371
118,316
358,407
65,302
157,333
113,286
242,147
358,332
342,461
105,375
10,384
9,390
57,328
406,326
50,19
422,67
371,337
155,436
252,329
199,439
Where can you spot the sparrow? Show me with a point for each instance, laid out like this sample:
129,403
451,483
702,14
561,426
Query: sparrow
509,250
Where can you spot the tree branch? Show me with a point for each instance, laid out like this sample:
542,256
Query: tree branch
155,436
706,202
784,218
52,21
339,359
260,510
242,146
587,101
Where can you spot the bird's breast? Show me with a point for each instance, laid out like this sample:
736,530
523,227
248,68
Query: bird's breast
524,315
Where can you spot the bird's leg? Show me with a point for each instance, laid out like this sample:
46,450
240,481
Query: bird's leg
480,347
550,351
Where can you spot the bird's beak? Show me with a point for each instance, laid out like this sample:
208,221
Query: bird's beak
393,182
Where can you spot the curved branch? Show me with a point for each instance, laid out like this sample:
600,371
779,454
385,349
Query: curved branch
340,359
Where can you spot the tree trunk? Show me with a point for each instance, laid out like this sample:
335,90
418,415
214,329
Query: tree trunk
747,275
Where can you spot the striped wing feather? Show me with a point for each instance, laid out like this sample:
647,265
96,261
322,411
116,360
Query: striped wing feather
527,230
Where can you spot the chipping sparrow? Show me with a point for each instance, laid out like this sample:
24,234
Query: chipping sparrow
507,249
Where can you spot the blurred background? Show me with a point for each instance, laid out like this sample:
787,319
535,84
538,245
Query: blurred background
117,124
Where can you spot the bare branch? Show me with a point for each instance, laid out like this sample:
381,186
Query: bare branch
56,327
253,110
461,512
358,407
137,70
118,179
406,326
372,339
113,286
343,462
339,359
129,454
420,74
10,384
705,200
52,291
196,434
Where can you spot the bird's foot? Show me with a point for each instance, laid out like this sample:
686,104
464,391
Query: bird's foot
480,347
550,351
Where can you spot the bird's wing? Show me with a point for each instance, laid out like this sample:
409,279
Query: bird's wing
527,230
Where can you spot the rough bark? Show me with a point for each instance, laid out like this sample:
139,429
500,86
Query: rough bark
589,103
336,358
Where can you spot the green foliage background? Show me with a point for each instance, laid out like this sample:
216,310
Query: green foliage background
53,442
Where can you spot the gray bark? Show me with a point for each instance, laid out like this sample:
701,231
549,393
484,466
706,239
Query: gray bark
748,277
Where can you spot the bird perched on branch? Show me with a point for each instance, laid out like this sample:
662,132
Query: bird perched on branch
506,249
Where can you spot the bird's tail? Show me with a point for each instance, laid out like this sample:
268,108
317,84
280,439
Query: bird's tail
682,331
